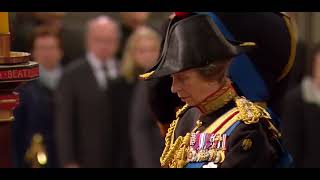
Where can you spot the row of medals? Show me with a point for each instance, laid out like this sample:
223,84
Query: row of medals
212,152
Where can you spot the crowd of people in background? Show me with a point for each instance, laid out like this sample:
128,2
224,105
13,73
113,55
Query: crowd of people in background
89,109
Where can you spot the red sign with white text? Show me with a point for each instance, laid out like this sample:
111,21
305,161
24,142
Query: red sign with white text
19,74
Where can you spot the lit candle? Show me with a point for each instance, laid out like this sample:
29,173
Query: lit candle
4,23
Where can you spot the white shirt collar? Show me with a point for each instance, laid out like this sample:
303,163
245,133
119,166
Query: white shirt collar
50,79
96,64
94,61
310,92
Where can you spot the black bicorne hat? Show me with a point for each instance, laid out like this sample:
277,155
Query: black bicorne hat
192,42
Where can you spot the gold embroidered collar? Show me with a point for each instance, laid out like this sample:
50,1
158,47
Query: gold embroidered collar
218,99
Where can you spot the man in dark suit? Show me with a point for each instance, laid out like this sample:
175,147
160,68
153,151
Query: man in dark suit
33,125
91,126
301,112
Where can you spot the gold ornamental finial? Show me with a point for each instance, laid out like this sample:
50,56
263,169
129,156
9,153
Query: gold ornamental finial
4,22
36,155
15,69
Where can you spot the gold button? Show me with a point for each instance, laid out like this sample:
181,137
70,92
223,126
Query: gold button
246,144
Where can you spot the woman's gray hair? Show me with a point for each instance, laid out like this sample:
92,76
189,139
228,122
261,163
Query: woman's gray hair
214,71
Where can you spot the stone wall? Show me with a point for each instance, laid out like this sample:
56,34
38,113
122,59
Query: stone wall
78,19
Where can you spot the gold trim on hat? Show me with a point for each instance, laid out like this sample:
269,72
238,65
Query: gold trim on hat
146,75
293,35
247,44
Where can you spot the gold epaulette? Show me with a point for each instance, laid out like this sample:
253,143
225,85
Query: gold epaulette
250,112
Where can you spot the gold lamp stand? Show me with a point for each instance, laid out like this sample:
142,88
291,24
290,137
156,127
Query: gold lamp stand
15,69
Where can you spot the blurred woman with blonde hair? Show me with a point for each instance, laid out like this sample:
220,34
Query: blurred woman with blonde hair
141,53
